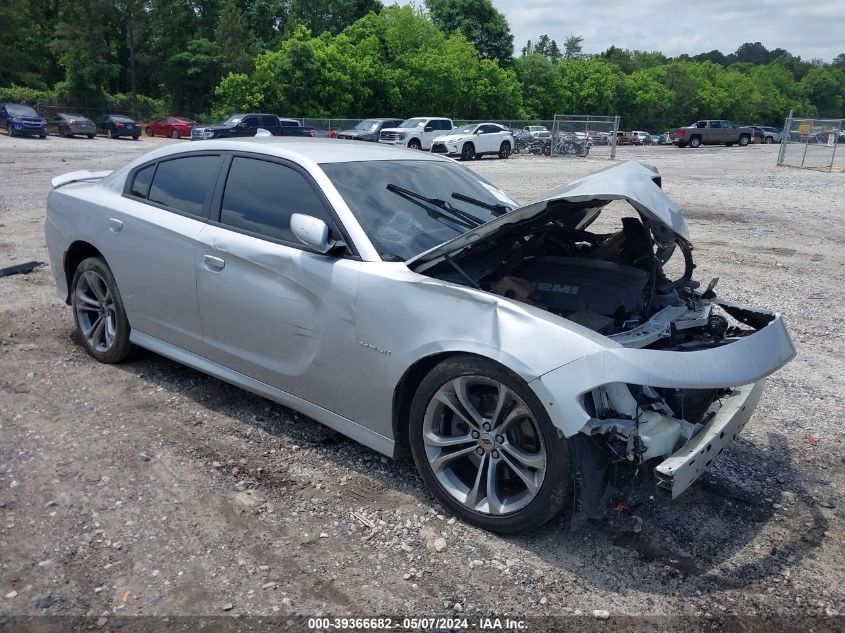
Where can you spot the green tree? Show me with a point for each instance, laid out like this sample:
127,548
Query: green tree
479,22
825,89
541,95
192,75
572,48
13,29
546,47
588,86
328,15
236,41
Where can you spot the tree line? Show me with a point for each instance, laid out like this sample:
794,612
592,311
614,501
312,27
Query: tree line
357,58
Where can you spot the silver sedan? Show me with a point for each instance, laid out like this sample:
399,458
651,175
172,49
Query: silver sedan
516,351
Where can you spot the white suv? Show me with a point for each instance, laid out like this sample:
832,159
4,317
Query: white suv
474,140
416,133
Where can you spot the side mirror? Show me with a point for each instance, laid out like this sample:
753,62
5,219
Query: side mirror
312,232
428,128
479,132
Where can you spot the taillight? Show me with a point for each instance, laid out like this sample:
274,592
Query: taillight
312,133
682,132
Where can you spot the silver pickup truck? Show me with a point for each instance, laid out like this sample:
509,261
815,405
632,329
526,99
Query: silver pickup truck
712,132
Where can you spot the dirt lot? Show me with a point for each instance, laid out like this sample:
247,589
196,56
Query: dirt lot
148,488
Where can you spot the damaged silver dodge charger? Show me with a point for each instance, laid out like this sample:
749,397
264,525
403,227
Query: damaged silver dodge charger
403,300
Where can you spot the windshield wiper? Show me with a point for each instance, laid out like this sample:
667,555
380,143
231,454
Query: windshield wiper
440,207
495,209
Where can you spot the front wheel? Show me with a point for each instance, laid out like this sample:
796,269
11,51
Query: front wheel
90,135
111,134
135,137
769,140
505,150
98,312
414,144
10,130
744,140
486,447
174,134
150,131
468,151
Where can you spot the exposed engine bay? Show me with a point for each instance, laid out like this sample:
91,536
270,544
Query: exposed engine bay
614,284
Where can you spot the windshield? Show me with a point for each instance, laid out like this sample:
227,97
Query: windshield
233,120
368,126
402,225
413,123
20,110
121,118
466,129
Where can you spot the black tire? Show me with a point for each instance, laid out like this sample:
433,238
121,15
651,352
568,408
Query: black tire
729,144
414,144
9,129
468,151
42,134
136,137
63,132
174,134
120,348
769,140
744,140
110,133
695,141
554,492
150,131
505,150
90,135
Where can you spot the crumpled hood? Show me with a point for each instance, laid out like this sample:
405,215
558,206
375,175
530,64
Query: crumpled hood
631,181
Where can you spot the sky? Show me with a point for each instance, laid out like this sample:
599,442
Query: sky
680,26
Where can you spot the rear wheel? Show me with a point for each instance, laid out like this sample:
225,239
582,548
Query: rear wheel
150,131
505,150
90,135
769,140
468,151
174,134
98,312
135,137
744,140
486,447
695,141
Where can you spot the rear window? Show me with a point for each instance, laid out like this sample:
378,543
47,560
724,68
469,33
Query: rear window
141,183
122,119
183,183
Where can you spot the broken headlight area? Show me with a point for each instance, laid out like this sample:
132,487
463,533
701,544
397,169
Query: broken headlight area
639,423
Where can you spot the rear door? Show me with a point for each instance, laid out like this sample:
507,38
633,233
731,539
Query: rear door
153,237
271,309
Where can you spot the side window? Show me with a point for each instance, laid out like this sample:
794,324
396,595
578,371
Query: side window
268,120
183,183
250,121
716,124
728,124
443,125
261,196
141,183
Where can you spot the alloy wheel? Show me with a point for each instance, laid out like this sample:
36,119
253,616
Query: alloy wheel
484,445
95,311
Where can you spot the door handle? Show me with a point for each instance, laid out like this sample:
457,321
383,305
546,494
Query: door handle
115,225
213,263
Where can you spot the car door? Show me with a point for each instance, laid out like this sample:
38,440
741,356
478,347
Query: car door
271,309
247,126
53,124
151,243
715,133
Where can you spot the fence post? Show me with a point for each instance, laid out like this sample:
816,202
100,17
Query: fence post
613,137
784,139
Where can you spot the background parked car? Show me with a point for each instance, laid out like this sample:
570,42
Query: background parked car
19,119
474,140
118,125
771,134
537,131
172,126
638,137
368,130
713,132
416,133
66,124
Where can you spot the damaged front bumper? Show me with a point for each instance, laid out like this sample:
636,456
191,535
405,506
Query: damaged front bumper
740,366
677,473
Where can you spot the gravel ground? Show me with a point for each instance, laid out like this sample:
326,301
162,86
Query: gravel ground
151,489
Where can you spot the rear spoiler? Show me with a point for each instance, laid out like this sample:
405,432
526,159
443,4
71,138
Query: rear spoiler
78,176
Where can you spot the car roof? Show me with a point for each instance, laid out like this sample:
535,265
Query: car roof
314,150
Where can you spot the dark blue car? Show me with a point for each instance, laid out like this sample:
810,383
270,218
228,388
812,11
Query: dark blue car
19,120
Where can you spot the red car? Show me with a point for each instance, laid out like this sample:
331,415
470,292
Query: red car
172,126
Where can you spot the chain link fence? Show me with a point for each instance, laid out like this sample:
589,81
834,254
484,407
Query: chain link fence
582,134
813,144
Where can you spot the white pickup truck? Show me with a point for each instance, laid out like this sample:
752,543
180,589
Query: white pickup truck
416,133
